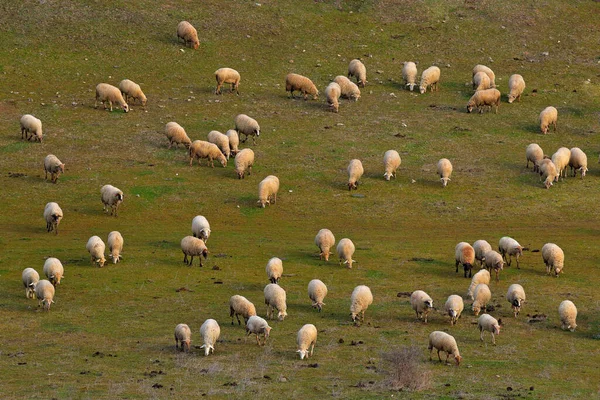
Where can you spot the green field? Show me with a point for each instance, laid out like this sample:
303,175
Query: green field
110,333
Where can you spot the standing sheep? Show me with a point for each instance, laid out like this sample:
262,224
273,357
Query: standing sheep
421,303
409,74
30,279
493,261
578,162
481,296
244,125
191,246
54,270
554,258
267,190
484,98
31,125
481,247
464,254
561,160
239,305
441,341
324,241
258,326
183,336
488,323
516,85
535,154
317,292
391,163
444,170
454,307
355,172
548,172
115,246
244,160
44,291
483,276
548,116
516,296
481,81
295,82
111,94
188,33
95,246
430,78
274,269
210,332
568,315
360,300
53,214
333,91
234,141
488,71
201,149
345,250
131,89
508,246
275,298
306,339
54,166
227,75
112,197
348,88
177,135
357,69
201,228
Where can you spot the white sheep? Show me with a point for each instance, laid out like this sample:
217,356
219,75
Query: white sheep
516,85
568,315
131,89
95,246
516,297
578,162
355,171
234,141
275,298
258,326
31,125
53,166
360,300
493,261
482,276
221,140
267,190
409,74
357,69
391,163
239,305
324,241
177,135
441,341
188,33
274,269
210,332
202,149
481,297
508,246
53,214
54,270
548,172
333,91
348,88
464,254
30,279
244,160
421,303
191,246
486,322
561,160
430,78
535,154
44,291
295,82
183,337
111,94
115,246
548,116
201,228
306,339
112,197
484,98
345,250
444,170
244,125
317,292
454,307
481,81
554,258
481,247
227,75
488,71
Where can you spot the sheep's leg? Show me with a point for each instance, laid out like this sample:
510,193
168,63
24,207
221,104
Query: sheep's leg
110,103
185,260
440,358
493,339
254,140
517,257
456,265
257,341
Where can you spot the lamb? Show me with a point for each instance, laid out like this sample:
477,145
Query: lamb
115,246
295,82
53,166
409,74
202,149
239,305
516,85
568,315
360,300
317,292
201,228
454,307
53,214
561,160
234,141
355,172
274,269
348,88
221,140
244,160
488,71
481,247
324,241
421,303
333,91
131,89
31,125
481,296
244,125
535,154
183,336
430,78
188,33
488,323
95,246
258,326
227,75
191,246
481,81
391,163
306,338
177,135
112,197
210,332
54,270
483,276
275,298
554,258
110,94
578,162
44,291
548,172
267,190
442,341
548,116
357,69
464,254
30,279
484,98
516,296
494,261
345,250
508,246
444,170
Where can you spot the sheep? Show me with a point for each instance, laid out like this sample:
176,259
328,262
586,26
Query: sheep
115,246
234,141
53,214
244,160
444,170
317,292
481,247
568,315
306,338
578,162
421,303
357,69
274,269
177,135
54,270
488,71
258,326
191,246
30,279
239,305
188,33
391,163
295,82
483,98
508,246
486,322
345,250
131,89
221,140
324,241
481,296
275,298
360,300
561,160
333,91
454,307
516,85
210,332
554,258
244,125
31,125
409,74
95,246
203,149
44,291
112,197
429,78
183,335
53,166
481,81
442,341
464,254
548,172
516,297
227,75
267,190
483,276
548,116
110,94
355,172
201,228
348,88
535,154
493,260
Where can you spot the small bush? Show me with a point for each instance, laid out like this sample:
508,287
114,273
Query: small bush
405,369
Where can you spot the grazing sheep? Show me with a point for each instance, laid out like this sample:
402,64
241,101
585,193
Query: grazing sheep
227,75
409,74
203,149
53,215
516,85
568,315
484,98
31,125
442,341
481,247
454,307
430,78
493,261
333,91
188,33
234,141
131,89
191,246
324,241
444,170
488,323
54,270
177,135
578,162
535,154
201,228
115,246
464,254
481,296
54,166
258,326
349,90
44,291
561,160
274,269
317,292
357,69
295,82
275,298
306,338
30,279
483,276
516,296
548,172
488,71
360,300
391,163
239,305
267,190
112,197
355,172
421,303
481,81
95,246
554,258
210,332
548,116
110,94
508,246
244,160
345,250
244,125
183,336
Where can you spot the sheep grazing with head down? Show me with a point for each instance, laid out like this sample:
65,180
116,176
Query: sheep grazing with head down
295,82
345,250
488,72
430,78
188,34
53,214
421,303
110,94
244,160
210,332
115,246
324,241
454,307
30,125
516,85
267,191
554,258
53,166
568,315
201,228
317,292
306,339
355,171
234,141
493,261
482,99
54,270
95,246
239,305
483,276
177,135
444,170
183,336
516,296
44,291
202,149
508,246
578,162
488,323
244,125
358,70
409,74
111,197
464,254
258,326
561,161
191,246
535,154
481,81
221,140
481,296
274,269
333,92
348,88
360,300
391,163
227,75
481,247
441,341
548,172
131,89
275,299
548,117
30,279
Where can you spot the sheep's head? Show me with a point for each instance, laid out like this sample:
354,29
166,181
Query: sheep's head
303,353
125,107
281,316
207,348
476,308
205,253
422,89
354,316
445,181
204,233
195,44
267,331
557,270
223,160
511,98
458,359
100,262
496,329
428,303
583,170
544,128
387,176
318,305
186,345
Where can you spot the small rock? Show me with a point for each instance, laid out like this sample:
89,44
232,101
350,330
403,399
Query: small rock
283,379
545,53
341,341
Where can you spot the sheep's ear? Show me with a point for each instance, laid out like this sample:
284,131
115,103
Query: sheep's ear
203,346
500,322
120,257
51,301
298,351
